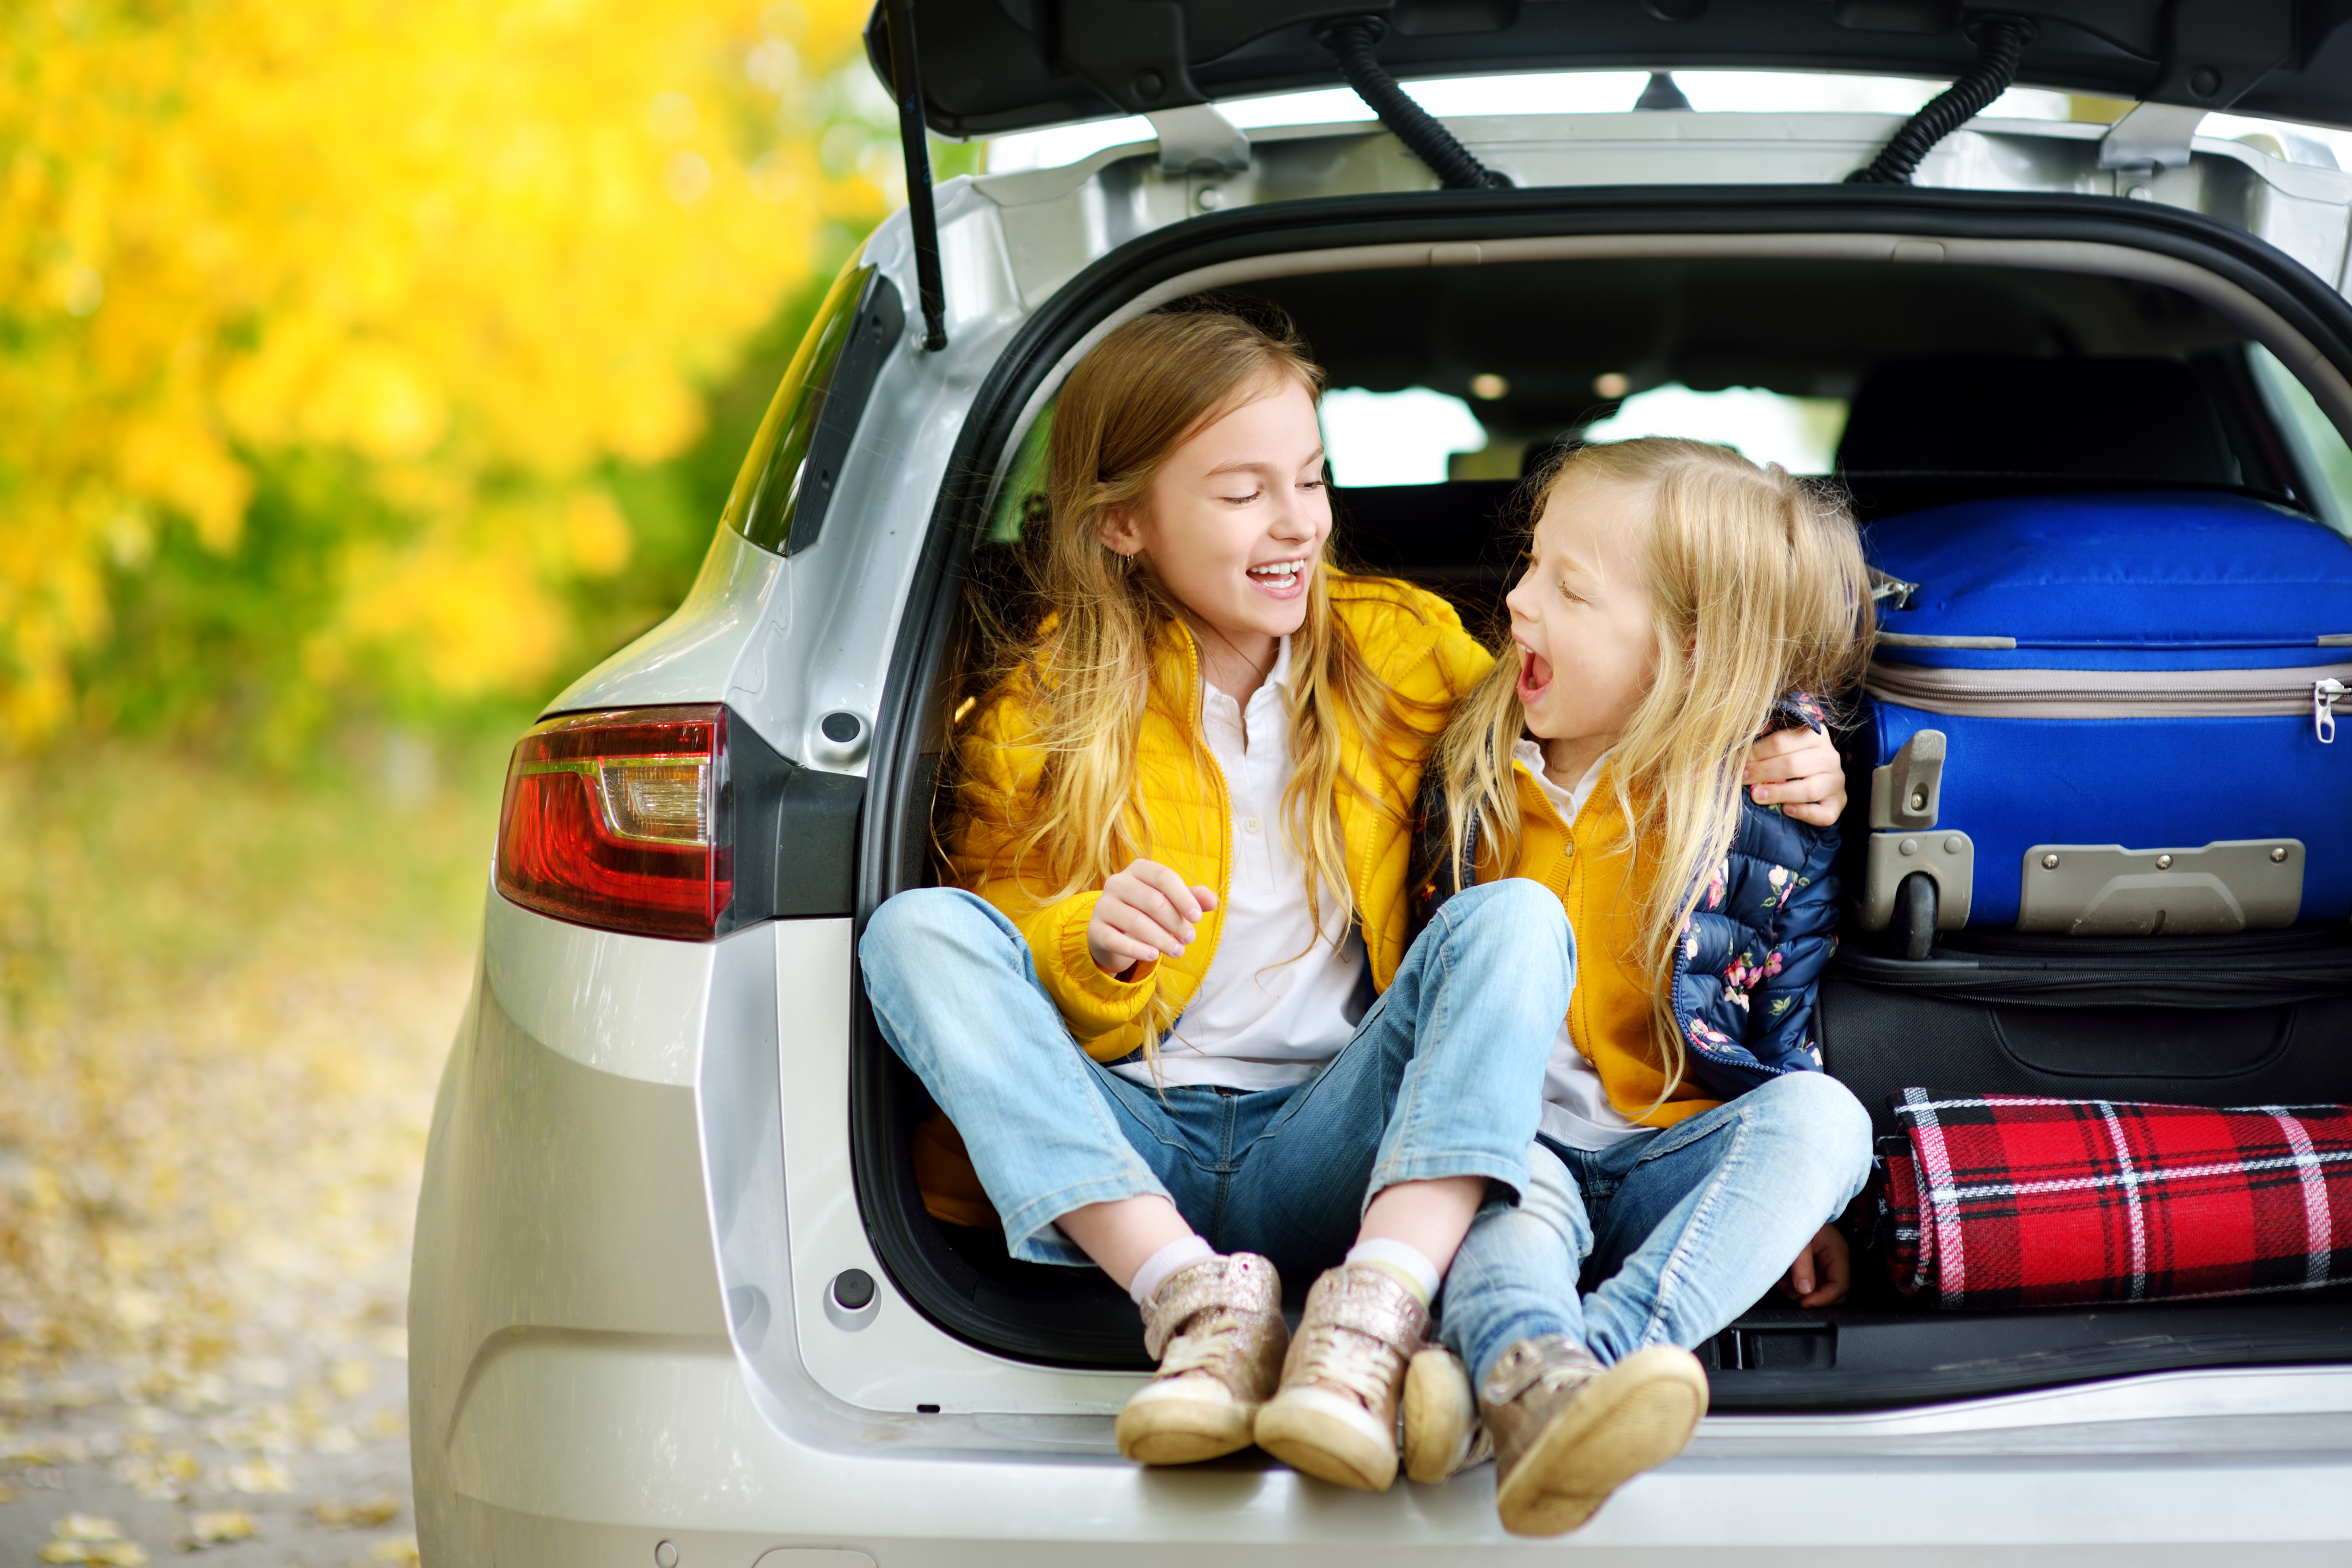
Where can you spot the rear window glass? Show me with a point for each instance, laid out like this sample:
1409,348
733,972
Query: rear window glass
1408,437
769,487
1020,508
1800,434
1419,437
2319,448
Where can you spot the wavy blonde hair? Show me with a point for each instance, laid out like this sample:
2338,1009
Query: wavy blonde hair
1084,667
1759,589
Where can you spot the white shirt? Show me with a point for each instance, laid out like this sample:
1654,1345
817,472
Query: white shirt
1576,1110
1281,998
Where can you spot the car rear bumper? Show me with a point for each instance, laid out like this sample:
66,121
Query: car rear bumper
589,1450
576,1397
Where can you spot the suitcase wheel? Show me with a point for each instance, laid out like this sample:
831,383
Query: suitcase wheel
1914,925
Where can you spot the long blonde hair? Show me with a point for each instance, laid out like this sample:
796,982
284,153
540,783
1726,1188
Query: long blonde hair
1083,667
1759,588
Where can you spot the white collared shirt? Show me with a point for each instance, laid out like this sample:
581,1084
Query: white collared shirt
1576,1110
1281,997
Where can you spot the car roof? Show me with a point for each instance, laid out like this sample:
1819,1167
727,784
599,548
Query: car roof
994,65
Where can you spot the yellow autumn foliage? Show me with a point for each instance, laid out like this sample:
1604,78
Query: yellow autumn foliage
480,251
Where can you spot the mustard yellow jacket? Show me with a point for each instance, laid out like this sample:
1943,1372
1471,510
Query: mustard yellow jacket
1413,640
1599,873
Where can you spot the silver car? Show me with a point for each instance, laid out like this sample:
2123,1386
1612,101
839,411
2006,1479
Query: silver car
676,1297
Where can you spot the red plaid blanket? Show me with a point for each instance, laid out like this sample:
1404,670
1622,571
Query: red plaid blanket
2015,1200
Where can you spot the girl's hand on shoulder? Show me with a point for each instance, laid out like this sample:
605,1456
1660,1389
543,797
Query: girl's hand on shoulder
1822,1270
1146,913
1800,771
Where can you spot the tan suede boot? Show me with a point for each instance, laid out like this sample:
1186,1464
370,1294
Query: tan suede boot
1216,1329
1443,1434
1336,1415
1568,1432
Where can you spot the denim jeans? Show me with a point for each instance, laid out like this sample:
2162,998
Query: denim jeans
1443,1078
1674,1233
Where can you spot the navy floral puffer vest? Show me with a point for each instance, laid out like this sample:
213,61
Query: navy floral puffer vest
1748,973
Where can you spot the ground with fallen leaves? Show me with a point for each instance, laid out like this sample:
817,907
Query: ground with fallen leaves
223,1004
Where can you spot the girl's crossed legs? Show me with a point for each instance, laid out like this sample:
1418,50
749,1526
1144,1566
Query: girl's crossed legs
1684,1228
1393,1142
1442,1080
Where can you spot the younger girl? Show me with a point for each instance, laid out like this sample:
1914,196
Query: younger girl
1674,596
1181,843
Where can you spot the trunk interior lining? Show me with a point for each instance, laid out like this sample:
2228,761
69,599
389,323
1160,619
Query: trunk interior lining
1877,1350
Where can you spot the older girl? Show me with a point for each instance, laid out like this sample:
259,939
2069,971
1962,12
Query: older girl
1674,595
1181,843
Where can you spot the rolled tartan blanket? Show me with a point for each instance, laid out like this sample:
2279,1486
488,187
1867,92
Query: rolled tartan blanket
2019,1201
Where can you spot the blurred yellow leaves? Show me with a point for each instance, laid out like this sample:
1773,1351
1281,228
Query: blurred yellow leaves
180,465
220,1527
262,1475
480,248
369,1513
349,1379
82,1538
471,611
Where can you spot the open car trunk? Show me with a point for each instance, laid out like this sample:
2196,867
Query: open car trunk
992,65
1760,289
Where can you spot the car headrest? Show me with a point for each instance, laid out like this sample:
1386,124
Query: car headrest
2126,418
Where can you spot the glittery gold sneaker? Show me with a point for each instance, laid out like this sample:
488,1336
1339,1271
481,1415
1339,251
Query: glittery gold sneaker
1215,1327
1443,1434
1568,1432
1336,1415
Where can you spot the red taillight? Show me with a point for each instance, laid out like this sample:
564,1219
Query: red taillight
619,820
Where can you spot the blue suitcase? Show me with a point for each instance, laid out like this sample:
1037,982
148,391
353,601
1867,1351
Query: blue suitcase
2107,715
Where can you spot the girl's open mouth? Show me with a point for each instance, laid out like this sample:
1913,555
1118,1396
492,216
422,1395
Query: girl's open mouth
1280,579
1535,675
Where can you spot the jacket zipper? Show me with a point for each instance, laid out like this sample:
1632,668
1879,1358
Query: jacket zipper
2117,694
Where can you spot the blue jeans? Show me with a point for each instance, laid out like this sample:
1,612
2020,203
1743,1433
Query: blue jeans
1443,1078
1676,1232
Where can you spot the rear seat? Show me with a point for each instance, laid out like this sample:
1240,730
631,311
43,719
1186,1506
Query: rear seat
2146,420
1455,538
1925,432
1922,433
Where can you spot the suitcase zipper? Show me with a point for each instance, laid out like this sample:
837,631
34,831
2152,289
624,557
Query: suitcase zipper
2118,694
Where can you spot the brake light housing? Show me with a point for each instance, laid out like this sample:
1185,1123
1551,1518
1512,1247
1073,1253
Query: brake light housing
677,822
622,820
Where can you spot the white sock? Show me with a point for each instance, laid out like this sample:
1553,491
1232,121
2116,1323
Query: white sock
1402,1258
1161,1264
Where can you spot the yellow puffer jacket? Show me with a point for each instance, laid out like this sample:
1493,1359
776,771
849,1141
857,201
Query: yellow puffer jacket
1412,639
1597,870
